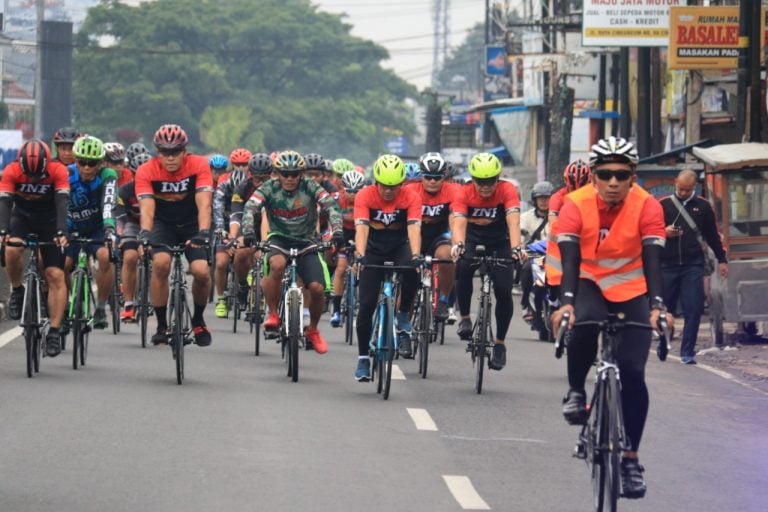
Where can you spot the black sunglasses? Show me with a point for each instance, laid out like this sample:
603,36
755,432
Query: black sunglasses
485,182
87,163
432,177
290,174
606,175
170,152
351,190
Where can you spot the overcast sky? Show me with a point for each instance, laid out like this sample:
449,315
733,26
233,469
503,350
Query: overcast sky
405,28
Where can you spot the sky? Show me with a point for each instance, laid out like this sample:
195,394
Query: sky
405,28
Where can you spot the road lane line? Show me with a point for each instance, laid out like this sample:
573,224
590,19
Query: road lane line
10,335
397,373
512,439
422,419
464,492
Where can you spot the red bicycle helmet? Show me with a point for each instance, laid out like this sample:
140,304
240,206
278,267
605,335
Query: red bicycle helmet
170,136
576,175
34,156
240,156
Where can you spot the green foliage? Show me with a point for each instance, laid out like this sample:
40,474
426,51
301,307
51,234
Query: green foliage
263,74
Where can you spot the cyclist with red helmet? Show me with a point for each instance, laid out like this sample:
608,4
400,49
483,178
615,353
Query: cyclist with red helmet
175,192
387,228
225,247
63,141
31,190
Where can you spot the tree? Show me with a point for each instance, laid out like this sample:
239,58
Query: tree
266,75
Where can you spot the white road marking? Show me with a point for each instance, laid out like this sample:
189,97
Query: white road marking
512,439
464,492
397,373
9,335
422,419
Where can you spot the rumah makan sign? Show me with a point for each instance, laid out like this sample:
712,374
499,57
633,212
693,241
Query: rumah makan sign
706,37
627,22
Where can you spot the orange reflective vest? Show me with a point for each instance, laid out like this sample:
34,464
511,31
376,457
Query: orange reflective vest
615,264
553,267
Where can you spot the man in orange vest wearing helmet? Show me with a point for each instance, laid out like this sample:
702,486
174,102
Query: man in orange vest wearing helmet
611,235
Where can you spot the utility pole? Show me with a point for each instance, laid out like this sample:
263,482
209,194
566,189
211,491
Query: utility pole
644,101
625,122
743,69
40,5
755,124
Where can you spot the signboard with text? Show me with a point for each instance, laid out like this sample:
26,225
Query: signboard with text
627,22
705,37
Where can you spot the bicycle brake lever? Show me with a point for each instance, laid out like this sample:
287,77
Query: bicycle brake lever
663,348
560,338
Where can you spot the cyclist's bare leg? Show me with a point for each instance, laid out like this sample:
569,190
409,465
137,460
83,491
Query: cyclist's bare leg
340,275
243,263
222,260
447,271
201,280
14,263
158,286
271,284
129,270
105,275
317,301
57,295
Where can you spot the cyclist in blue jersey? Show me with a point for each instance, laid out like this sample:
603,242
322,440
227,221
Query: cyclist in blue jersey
92,200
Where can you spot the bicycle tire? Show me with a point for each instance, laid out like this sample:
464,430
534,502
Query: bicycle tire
235,307
115,302
389,347
77,319
595,435
257,312
425,333
30,322
612,453
178,332
349,309
482,342
294,319
378,356
143,305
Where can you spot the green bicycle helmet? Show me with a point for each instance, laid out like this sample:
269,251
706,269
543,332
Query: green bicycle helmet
389,170
484,165
89,148
342,165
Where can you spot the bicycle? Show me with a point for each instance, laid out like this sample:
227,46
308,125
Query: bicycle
603,438
291,333
425,324
142,305
33,325
179,316
116,294
81,303
384,343
255,306
481,344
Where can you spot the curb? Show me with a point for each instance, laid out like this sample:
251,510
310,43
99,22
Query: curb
722,374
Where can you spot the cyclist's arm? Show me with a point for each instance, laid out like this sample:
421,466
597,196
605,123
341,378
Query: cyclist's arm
652,251
6,204
570,256
203,202
236,215
219,204
458,229
330,208
361,236
109,198
414,237
513,226
252,207
147,212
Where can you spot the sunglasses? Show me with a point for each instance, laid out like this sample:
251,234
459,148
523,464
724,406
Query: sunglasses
313,174
351,190
88,163
606,175
290,174
170,152
485,182
432,177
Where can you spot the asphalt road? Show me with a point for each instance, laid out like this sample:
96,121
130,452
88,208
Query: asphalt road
121,435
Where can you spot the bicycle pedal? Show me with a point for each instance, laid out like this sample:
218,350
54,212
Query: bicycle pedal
189,341
580,451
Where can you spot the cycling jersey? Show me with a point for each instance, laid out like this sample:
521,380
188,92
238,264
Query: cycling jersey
174,192
222,199
487,217
388,220
347,211
241,194
127,204
291,215
125,177
556,201
435,208
92,203
34,200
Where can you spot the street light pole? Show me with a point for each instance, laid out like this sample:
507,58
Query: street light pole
40,4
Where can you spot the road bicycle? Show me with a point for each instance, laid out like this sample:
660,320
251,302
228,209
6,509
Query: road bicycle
349,303
142,305
255,306
426,327
384,342
291,332
82,303
481,345
116,294
179,316
34,325
602,438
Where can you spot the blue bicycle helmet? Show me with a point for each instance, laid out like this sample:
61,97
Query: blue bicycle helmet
412,171
218,161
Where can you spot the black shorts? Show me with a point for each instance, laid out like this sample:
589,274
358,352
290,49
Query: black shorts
310,267
430,245
22,228
171,234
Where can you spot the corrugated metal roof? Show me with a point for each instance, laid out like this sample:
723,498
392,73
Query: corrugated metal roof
733,156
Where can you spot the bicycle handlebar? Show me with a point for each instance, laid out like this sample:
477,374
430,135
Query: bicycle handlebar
266,246
34,243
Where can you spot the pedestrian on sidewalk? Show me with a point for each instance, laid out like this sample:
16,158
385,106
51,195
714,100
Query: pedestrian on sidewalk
691,229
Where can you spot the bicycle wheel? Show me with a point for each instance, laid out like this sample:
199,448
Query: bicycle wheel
257,312
177,332
481,343
613,446
115,302
389,347
294,319
77,320
425,332
30,323
596,429
350,309
143,305
379,321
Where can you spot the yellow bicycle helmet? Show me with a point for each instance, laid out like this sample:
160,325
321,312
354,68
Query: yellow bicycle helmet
484,165
389,170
